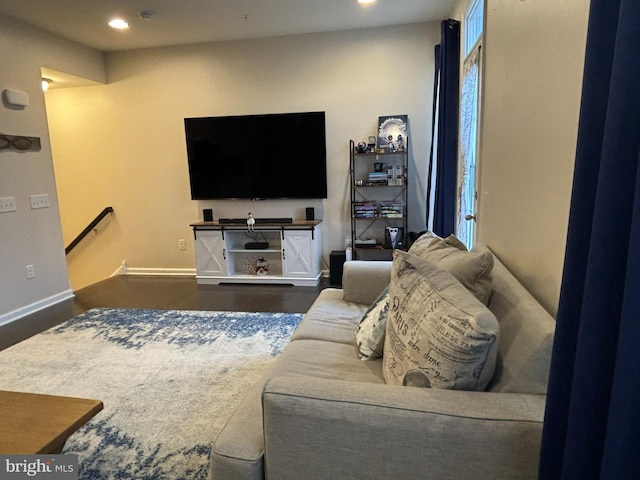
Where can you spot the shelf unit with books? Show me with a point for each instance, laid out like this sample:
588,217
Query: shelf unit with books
378,202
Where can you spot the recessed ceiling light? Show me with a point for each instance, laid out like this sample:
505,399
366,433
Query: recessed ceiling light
118,23
366,1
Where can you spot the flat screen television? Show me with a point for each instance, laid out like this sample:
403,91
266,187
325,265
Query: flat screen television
257,156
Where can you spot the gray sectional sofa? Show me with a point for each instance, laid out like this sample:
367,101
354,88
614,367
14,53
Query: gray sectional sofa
322,413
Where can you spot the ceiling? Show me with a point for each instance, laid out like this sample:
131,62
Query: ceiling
178,22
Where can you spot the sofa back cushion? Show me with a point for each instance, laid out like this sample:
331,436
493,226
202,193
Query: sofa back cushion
362,281
526,335
472,268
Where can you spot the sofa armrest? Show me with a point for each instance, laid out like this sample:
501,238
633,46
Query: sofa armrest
363,281
318,429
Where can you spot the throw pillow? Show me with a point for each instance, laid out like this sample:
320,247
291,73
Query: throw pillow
438,334
472,269
371,330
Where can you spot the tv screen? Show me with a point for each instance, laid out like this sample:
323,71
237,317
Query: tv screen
257,156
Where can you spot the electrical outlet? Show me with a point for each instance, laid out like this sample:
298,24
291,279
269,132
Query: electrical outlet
7,204
31,272
39,201
182,244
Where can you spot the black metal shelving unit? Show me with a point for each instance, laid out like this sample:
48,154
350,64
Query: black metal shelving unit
378,202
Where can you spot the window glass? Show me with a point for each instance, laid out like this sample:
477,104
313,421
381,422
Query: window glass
473,21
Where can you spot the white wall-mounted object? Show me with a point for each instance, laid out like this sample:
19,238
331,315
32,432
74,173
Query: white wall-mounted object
7,204
15,98
39,201
19,142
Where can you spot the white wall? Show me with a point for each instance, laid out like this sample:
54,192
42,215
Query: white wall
532,86
33,237
533,59
132,153
127,137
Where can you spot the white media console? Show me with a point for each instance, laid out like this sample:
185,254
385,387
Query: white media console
289,253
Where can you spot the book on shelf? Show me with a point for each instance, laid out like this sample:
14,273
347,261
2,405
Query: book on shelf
398,175
366,215
392,209
365,209
376,178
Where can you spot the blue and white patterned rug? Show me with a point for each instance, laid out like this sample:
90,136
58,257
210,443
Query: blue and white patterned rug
169,381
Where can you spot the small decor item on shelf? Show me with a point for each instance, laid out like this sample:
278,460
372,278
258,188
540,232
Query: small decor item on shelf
401,147
256,266
362,147
262,267
392,133
250,222
394,237
371,146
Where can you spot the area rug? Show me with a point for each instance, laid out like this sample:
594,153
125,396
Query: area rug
169,381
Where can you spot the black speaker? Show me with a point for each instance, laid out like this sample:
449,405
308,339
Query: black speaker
310,213
336,264
207,215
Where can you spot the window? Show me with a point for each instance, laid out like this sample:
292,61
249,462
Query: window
469,123
473,25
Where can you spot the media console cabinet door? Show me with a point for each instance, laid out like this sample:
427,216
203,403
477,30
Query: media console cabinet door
297,254
210,253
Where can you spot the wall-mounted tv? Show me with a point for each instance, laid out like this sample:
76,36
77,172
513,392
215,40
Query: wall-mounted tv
257,156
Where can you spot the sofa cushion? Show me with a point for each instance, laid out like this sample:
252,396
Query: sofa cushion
363,280
330,318
371,330
438,334
472,269
526,336
239,448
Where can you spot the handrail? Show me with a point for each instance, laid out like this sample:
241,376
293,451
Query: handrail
90,227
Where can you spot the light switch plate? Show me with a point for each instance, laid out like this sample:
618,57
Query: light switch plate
39,201
7,204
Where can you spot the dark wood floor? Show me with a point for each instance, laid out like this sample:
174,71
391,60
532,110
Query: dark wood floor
164,293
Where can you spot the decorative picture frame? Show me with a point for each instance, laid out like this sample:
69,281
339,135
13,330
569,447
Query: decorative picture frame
392,133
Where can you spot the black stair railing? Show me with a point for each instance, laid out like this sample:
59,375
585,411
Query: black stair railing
90,227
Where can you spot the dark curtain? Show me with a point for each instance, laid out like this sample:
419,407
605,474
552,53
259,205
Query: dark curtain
592,418
443,159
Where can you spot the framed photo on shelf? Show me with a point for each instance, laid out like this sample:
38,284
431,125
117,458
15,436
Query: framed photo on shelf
392,133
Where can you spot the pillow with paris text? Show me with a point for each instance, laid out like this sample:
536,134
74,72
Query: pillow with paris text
438,334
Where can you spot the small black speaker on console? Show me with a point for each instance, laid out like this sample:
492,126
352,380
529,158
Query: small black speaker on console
207,214
310,213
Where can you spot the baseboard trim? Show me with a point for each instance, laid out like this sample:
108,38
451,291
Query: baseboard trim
34,307
171,272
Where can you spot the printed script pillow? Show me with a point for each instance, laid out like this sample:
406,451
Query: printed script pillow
438,334
371,330
472,269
